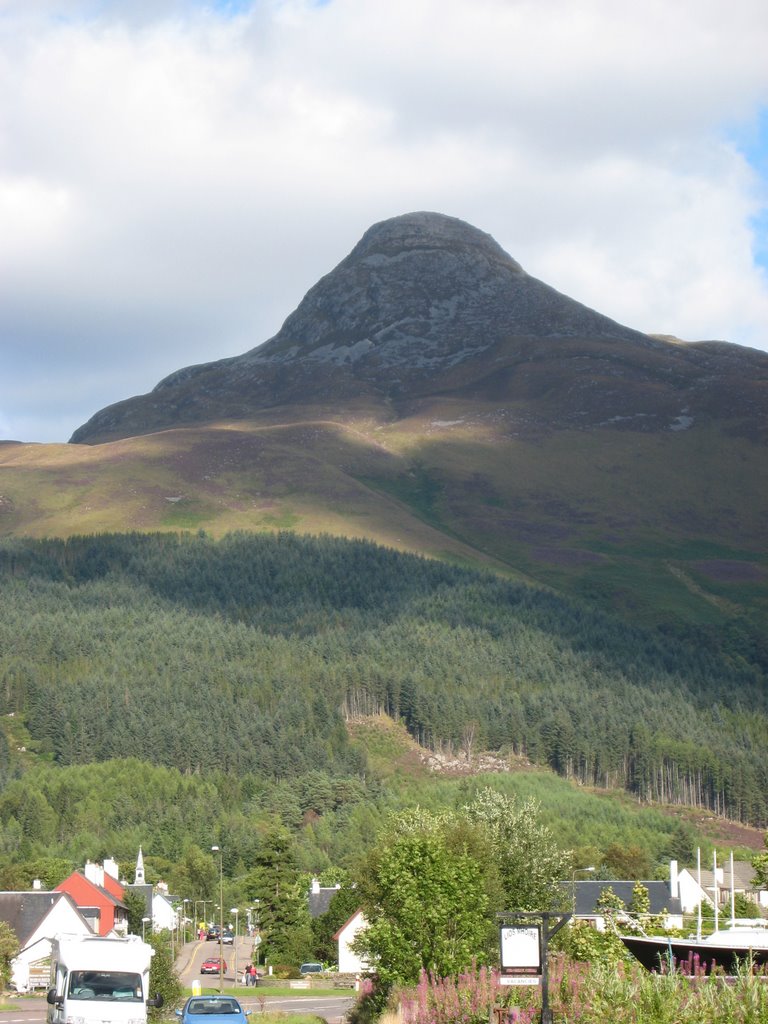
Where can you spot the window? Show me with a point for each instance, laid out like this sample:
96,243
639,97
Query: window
105,985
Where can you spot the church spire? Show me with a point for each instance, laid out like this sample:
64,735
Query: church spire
139,877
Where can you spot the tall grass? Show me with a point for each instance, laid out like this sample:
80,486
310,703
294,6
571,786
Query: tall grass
581,993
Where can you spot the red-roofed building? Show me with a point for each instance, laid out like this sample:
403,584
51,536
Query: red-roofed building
99,898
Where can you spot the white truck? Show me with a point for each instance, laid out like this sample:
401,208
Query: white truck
97,980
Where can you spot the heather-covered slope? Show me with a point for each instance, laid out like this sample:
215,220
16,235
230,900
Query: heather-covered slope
430,395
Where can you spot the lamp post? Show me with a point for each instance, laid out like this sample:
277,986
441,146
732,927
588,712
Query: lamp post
144,922
257,937
573,884
216,849
235,911
184,921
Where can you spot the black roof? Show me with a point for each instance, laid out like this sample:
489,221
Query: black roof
320,901
587,893
24,911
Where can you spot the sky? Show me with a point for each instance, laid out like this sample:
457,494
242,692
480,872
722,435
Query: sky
176,174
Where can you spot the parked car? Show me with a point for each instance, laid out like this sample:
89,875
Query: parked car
311,968
214,1008
228,938
211,966
213,932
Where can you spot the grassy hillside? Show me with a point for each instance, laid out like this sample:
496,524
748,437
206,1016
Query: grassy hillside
661,526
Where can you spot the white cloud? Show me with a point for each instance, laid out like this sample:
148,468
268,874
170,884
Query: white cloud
173,178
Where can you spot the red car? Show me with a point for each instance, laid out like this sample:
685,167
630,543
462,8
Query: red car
211,966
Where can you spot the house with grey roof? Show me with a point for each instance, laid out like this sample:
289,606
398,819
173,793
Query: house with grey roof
320,897
35,917
706,886
585,898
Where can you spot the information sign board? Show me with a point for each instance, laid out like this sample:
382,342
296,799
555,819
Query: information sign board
520,949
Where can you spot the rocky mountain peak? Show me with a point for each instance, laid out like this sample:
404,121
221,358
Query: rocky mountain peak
425,304
420,293
427,231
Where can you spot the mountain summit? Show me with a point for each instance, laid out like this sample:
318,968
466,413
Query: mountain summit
430,395
423,303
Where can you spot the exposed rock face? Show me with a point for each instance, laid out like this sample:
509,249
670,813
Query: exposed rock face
421,293
426,304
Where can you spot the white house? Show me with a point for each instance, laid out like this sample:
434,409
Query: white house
349,961
715,885
35,918
164,916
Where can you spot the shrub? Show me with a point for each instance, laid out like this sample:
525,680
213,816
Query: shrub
581,993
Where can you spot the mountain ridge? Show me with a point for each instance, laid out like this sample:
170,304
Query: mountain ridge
397,404
425,304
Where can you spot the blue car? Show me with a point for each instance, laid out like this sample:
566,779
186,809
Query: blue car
212,1010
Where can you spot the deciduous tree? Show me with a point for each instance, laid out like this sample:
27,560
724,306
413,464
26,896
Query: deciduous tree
529,862
424,898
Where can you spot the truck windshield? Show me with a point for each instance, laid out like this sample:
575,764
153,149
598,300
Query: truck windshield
109,985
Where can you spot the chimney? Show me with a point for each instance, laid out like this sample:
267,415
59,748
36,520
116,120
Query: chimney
674,880
94,873
111,868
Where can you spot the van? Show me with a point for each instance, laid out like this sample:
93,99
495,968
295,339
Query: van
97,980
311,968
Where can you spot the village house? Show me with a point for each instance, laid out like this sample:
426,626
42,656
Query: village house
349,961
585,899
99,896
320,896
706,886
35,917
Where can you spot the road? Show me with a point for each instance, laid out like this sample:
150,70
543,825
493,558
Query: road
32,1009
192,954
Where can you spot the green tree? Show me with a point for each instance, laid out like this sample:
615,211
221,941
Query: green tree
425,901
641,900
136,905
9,948
583,942
760,864
627,861
529,862
608,902
745,907
284,913
163,979
197,874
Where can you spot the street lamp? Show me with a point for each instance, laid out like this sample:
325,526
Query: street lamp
257,937
144,922
184,920
216,849
235,911
573,884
